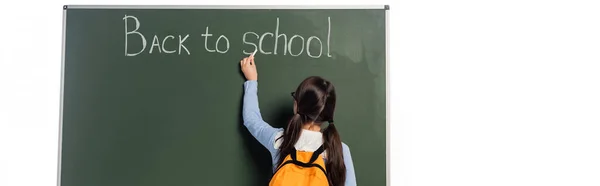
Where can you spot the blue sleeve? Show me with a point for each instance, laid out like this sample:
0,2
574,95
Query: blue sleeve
263,132
350,176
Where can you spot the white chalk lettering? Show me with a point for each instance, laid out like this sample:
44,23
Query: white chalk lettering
156,43
328,34
277,35
282,44
134,31
217,44
246,42
308,46
181,44
260,41
206,35
290,45
163,45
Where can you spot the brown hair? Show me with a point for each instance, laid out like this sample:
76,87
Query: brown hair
315,101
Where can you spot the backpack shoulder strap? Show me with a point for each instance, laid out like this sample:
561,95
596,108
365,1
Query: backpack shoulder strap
316,154
295,161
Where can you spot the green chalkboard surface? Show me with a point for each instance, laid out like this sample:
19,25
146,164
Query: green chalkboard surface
152,96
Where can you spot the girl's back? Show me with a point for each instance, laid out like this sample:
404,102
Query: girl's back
314,104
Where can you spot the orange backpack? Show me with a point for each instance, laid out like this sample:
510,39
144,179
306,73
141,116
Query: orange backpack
301,169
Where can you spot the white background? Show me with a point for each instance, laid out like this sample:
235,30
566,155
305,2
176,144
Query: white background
482,92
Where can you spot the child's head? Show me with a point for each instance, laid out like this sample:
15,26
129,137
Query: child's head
314,103
314,100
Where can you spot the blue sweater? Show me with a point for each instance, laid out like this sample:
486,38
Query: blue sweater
266,134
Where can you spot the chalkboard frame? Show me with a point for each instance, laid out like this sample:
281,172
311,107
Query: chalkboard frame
385,7
225,7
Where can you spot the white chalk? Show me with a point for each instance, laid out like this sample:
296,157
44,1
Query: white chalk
254,52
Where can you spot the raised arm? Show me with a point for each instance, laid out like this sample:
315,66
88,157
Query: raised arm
262,131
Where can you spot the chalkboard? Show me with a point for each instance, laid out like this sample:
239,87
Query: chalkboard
151,96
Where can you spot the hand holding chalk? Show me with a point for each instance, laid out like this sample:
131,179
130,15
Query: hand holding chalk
249,67
252,56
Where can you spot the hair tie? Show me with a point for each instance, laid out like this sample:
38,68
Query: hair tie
330,122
